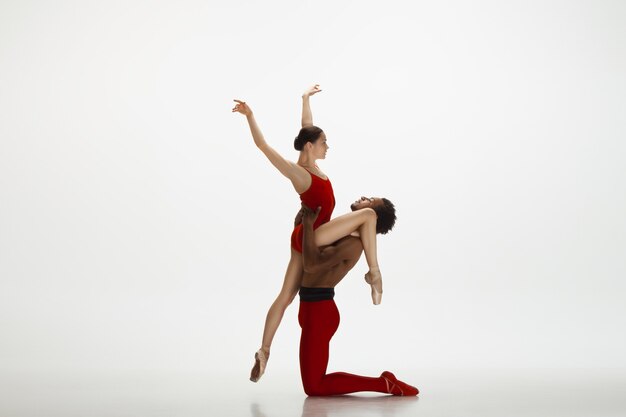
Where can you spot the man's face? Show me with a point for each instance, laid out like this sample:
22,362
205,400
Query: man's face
365,202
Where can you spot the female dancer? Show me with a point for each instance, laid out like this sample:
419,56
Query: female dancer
315,190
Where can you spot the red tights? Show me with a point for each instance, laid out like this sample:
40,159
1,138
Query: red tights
319,321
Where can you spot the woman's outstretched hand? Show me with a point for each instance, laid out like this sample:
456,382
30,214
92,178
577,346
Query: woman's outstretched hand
242,107
312,91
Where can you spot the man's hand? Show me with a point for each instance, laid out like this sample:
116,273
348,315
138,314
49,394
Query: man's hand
309,216
298,218
311,91
242,107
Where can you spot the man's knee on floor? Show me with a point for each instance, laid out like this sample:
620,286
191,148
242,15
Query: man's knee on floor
313,390
313,386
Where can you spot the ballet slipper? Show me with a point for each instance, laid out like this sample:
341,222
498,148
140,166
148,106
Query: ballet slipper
374,278
260,361
397,387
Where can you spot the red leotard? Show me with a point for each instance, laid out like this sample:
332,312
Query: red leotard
319,194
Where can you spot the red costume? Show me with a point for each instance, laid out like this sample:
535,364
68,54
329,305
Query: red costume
319,194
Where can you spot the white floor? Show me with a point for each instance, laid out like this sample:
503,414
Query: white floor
451,393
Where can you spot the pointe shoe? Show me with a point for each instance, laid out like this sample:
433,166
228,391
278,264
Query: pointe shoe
397,387
260,361
374,278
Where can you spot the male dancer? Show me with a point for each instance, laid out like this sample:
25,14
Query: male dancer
324,268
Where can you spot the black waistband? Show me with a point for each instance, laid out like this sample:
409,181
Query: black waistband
316,294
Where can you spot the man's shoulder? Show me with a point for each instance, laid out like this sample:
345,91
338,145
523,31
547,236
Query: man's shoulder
352,245
349,238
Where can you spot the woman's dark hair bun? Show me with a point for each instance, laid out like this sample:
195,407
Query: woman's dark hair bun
307,134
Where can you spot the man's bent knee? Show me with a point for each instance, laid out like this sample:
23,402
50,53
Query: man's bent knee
313,391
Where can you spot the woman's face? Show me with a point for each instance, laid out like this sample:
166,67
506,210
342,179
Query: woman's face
320,147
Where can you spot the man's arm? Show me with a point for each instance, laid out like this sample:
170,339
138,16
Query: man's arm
298,219
314,259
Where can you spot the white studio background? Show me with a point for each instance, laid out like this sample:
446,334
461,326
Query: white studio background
140,228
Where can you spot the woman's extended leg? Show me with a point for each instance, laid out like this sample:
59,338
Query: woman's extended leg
364,222
291,284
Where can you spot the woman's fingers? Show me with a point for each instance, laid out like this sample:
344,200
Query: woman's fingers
239,106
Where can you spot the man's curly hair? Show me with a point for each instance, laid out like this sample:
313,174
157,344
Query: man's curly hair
386,213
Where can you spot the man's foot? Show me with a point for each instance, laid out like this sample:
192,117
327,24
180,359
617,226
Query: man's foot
260,361
397,387
375,279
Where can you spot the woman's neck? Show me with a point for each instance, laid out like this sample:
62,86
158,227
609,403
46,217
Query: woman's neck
306,161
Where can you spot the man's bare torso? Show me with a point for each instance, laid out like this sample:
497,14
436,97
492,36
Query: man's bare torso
330,277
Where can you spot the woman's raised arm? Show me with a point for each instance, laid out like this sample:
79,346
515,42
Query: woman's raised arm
291,170
307,116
